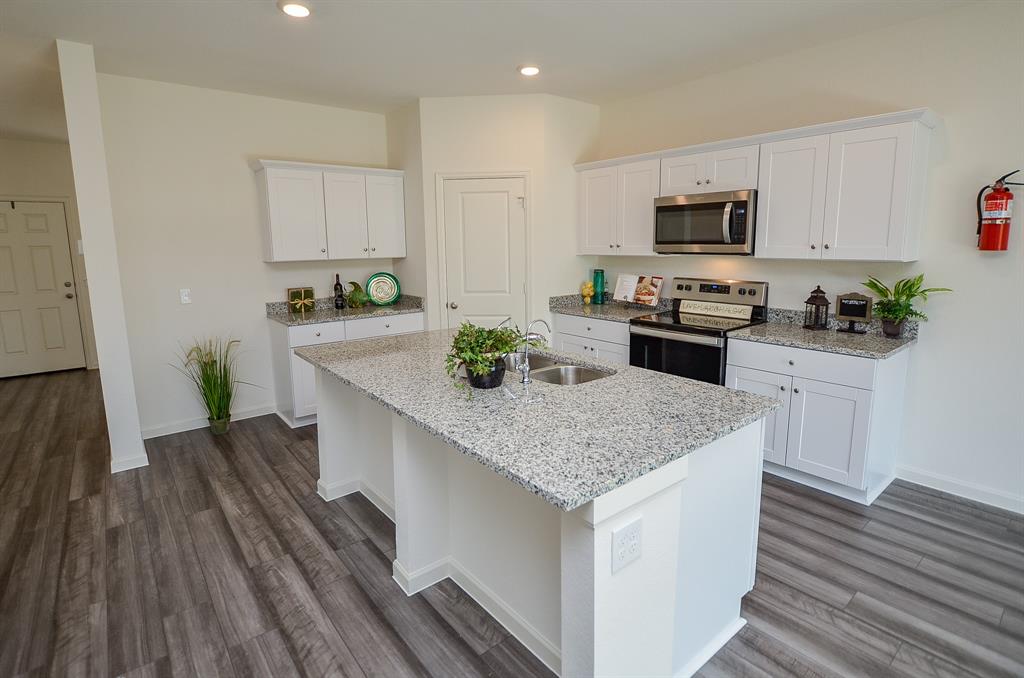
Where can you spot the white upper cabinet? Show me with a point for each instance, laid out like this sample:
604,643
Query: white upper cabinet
345,203
791,198
869,195
331,212
385,216
616,208
732,169
294,203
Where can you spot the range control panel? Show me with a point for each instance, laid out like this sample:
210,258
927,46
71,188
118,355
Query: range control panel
745,292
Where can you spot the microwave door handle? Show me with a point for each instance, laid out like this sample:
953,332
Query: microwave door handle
726,222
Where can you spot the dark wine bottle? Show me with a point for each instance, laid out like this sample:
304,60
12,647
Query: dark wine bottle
339,292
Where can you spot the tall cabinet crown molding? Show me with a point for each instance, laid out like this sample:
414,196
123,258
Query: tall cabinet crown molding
319,212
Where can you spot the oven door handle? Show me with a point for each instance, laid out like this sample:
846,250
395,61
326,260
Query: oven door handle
717,342
726,222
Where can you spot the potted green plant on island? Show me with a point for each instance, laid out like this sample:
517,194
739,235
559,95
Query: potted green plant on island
482,352
211,366
896,304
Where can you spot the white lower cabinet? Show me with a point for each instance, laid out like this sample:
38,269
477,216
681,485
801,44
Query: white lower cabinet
838,437
574,334
295,379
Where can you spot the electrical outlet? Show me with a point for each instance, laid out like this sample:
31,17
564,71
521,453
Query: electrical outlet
626,544
186,295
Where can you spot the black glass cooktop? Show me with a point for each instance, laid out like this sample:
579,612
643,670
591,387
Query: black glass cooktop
693,322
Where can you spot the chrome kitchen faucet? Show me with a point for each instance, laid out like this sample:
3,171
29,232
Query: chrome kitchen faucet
524,366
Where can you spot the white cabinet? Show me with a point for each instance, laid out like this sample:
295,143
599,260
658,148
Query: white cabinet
295,379
616,208
331,212
732,169
840,421
852,195
602,339
791,198
294,204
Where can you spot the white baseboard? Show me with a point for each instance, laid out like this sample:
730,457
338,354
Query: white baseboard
967,490
414,582
202,422
708,651
336,490
118,465
865,497
296,422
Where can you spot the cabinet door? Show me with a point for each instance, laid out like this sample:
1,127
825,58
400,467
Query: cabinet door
303,386
791,198
295,200
734,169
638,184
685,174
385,215
868,193
776,425
597,197
828,431
605,350
570,344
345,201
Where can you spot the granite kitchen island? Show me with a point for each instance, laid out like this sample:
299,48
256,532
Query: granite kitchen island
520,499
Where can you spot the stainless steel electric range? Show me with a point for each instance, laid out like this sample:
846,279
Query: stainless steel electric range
691,340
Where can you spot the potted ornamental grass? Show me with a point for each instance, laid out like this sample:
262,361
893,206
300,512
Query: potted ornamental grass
481,351
896,304
211,366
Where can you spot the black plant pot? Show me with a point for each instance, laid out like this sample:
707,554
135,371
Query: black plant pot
491,379
892,329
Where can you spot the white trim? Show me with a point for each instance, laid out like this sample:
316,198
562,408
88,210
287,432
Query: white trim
201,422
296,423
961,488
412,583
442,260
332,491
708,651
128,464
877,484
925,116
261,164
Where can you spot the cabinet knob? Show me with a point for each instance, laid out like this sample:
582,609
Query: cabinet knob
610,245
365,249
588,329
619,245
699,182
791,362
796,390
826,245
387,325
453,306
374,249
782,388
316,334
814,247
707,181
69,295
323,250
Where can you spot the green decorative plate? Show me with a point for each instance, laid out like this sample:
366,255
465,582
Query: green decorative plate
383,289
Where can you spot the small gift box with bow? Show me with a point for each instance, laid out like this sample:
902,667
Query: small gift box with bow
301,299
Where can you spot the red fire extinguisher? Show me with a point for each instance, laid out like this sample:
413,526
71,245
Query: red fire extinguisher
995,210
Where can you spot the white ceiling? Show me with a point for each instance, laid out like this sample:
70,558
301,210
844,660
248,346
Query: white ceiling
377,54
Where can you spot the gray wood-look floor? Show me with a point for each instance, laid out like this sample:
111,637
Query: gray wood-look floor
220,559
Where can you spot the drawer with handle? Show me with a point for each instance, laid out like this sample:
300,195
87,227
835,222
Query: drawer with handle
319,333
833,368
602,330
383,326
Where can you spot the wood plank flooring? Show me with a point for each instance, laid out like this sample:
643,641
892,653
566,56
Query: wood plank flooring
219,559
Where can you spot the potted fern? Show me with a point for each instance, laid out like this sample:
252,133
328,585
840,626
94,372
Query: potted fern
896,304
211,366
482,352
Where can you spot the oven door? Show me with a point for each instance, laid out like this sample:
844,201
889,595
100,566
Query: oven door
694,356
708,223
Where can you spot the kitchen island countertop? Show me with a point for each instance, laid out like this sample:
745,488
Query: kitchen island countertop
569,446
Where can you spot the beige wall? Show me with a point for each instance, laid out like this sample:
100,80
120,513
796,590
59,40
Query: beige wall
186,213
963,420
540,134
42,170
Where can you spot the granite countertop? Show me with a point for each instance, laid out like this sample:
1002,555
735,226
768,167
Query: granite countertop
616,311
331,314
871,345
553,446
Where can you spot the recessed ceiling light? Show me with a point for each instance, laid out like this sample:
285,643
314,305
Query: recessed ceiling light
529,71
293,9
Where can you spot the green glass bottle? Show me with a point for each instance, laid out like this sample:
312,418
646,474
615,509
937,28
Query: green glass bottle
598,286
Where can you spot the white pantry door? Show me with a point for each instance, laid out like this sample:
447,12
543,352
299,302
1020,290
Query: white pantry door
485,250
39,326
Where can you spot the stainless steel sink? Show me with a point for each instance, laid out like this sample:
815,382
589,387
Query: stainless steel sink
566,375
537,362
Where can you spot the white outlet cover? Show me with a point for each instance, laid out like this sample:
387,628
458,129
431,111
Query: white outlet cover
626,544
185,294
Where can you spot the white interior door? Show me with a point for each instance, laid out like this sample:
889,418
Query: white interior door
485,250
40,330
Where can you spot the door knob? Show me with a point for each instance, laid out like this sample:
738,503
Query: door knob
67,283
453,306
69,295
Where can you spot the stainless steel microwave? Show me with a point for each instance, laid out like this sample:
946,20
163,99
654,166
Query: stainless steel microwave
705,223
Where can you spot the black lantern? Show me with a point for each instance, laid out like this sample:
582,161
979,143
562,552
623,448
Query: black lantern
816,310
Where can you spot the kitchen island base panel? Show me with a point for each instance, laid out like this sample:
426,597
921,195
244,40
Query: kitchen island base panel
546,574
876,483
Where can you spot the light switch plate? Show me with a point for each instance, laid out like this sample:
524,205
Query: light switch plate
626,544
185,294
